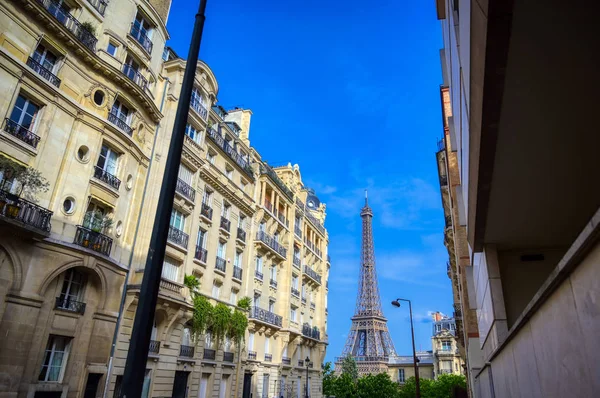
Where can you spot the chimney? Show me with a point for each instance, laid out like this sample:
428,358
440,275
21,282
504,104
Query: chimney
242,118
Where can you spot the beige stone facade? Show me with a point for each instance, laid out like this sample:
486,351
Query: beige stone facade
447,358
401,368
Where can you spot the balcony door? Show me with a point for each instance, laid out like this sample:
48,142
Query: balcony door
45,57
60,9
72,288
24,113
131,68
121,111
143,27
108,160
93,216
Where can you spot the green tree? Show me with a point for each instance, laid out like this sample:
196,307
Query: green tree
445,385
349,367
379,385
345,387
329,380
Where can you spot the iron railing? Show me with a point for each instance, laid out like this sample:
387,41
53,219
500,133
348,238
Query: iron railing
252,355
20,132
178,237
200,108
286,360
266,316
186,351
267,170
209,354
258,275
65,303
296,261
295,292
120,123
268,205
298,231
206,211
230,151
141,37
99,5
96,241
82,33
221,264
457,311
312,274
312,332
315,222
301,363
105,176
271,242
200,254
303,300
282,218
24,211
186,190
241,234
43,72
313,306
237,272
135,76
225,224
154,347
268,357
273,283
228,356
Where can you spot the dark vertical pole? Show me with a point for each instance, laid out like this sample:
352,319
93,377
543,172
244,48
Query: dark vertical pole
307,362
133,376
412,332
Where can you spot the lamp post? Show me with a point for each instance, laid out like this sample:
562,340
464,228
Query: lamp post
307,362
135,366
396,303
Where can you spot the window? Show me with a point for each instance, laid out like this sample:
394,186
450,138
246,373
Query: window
108,160
45,57
208,340
446,366
121,111
191,132
111,49
304,291
60,10
293,314
243,184
25,113
202,238
256,302
265,391
225,210
446,345
221,249
267,345
295,281
262,227
141,28
242,222
207,197
131,68
210,156
72,288
186,336
197,99
216,290
185,174
55,358
259,264
170,269
276,237
93,216
271,305
233,297
274,273
177,220
251,341
229,172
146,385
237,261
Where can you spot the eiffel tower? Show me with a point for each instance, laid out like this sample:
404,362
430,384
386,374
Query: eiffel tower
369,341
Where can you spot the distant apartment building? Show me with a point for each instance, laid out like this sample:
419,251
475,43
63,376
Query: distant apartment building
517,165
401,367
446,355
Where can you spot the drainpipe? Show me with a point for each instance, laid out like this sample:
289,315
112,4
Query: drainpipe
137,227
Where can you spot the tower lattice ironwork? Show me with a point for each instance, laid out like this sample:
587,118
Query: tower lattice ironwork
369,341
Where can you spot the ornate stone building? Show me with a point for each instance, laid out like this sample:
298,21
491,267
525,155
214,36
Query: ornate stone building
446,355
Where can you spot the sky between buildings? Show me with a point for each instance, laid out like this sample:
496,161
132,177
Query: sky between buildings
349,90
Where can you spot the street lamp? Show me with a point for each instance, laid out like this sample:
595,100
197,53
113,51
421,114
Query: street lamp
396,303
307,361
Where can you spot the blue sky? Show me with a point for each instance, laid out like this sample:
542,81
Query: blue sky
354,86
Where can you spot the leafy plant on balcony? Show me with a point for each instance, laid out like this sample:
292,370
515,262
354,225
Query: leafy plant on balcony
28,180
237,326
98,221
244,303
90,27
221,320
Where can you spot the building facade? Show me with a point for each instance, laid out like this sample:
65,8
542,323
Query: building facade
446,355
517,171
401,367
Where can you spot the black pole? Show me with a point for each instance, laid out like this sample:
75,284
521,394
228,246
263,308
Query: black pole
307,362
412,332
137,356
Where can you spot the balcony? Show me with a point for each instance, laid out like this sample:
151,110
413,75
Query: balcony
252,355
268,240
106,177
241,234
199,108
266,316
258,275
313,306
237,273
66,304
170,285
21,133
295,292
99,5
315,223
457,311
273,283
225,224
135,76
178,237
296,261
298,231
228,357
185,190
282,218
448,221
267,170
186,351
443,180
209,354
311,332
303,300
43,72
93,240
71,23
268,357
220,264
154,347
120,123
141,37
24,212
286,361
230,151
301,363
312,274
201,254
268,205
206,211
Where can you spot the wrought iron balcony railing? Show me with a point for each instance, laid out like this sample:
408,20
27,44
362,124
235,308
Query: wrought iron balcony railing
241,234
43,72
186,351
271,242
67,304
99,5
252,355
199,108
120,123
225,224
301,363
296,261
96,241
25,212
154,347
215,137
135,76
316,223
267,170
312,274
82,34
303,300
206,211
268,357
258,275
221,264
312,332
178,237
201,254
105,176
228,356
186,190
313,306
20,132
298,231
282,218
141,37
237,272
295,292
209,354
286,360
273,283
266,316
268,205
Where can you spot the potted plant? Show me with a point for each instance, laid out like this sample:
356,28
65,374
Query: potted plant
88,26
27,180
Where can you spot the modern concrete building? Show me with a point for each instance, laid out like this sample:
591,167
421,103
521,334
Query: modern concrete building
517,167
444,344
